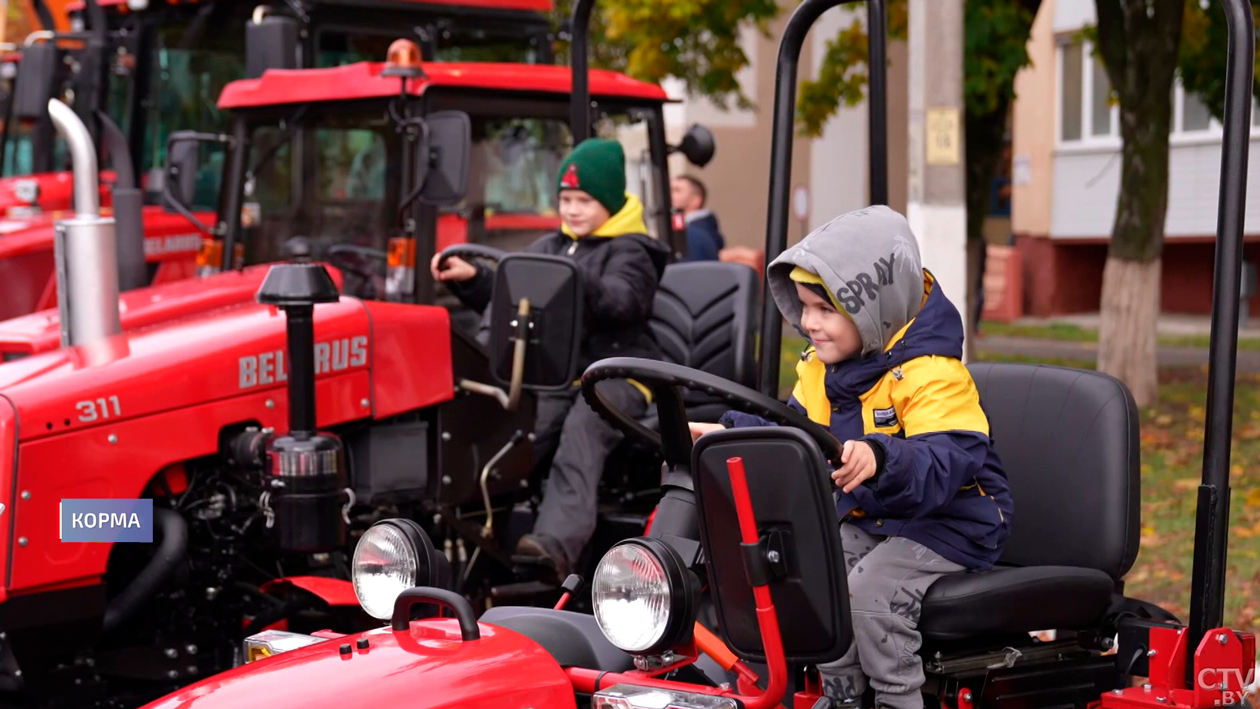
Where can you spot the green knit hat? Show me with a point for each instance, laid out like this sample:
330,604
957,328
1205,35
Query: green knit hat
597,167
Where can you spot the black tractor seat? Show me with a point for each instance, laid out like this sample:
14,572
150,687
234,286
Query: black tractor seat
1068,440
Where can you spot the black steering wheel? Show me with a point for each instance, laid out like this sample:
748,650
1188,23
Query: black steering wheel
471,251
667,381
355,259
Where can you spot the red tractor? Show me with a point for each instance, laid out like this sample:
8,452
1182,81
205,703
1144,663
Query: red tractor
178,393
138,71
756,532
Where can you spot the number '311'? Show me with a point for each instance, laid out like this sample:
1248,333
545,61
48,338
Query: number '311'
99,409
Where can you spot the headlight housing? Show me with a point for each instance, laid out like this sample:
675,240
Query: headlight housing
392,556
643,597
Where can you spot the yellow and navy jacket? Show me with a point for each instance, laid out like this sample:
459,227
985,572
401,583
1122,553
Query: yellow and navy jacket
940,482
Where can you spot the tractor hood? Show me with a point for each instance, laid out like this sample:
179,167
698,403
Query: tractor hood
425,667
140,308
237,352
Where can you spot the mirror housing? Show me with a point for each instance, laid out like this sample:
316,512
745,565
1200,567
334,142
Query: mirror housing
179,176
698,145
36,80
271,42
790,484
442,157
552,285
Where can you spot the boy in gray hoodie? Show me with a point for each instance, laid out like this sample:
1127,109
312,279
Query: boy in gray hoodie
920,490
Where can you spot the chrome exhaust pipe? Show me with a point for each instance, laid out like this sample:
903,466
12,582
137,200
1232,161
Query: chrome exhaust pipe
86,245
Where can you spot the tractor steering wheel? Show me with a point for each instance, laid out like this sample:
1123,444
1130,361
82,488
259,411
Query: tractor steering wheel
355,259
667,381
469,252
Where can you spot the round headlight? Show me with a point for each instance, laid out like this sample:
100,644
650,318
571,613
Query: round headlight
641,597
392,556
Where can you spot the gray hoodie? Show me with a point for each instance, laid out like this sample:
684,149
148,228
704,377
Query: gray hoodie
869,260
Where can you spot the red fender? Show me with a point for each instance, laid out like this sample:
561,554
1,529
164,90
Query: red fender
334,592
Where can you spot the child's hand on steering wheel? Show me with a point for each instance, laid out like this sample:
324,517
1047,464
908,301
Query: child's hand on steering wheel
858,465
456,269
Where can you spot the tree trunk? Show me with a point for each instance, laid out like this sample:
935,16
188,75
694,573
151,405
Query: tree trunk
1126,337
1139,41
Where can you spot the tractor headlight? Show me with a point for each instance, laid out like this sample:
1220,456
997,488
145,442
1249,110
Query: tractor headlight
642,596
392,556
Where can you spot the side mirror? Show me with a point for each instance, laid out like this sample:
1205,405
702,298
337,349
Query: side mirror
36,81
183,167
537,317
799,554
271,42
698,145
442,156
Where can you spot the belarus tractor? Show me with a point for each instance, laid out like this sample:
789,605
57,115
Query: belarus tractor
134,72
756,532
264,465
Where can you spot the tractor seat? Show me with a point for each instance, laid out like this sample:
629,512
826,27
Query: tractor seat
1068,440
704,317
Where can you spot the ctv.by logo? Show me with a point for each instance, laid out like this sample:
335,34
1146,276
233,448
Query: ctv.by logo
106,521
1225,680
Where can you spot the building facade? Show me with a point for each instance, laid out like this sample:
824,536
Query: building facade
1065,176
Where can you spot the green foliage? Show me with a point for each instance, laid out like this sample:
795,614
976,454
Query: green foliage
995,49
1202,57
696,41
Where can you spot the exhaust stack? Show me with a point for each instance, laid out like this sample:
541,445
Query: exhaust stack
86,245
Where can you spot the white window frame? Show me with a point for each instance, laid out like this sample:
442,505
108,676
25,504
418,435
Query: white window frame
1088,142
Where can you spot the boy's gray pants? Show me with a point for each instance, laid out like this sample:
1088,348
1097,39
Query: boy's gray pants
570,497
888,578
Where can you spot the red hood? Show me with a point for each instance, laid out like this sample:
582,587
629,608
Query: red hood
427,667
143,307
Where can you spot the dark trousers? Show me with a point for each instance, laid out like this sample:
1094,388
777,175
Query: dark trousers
582,441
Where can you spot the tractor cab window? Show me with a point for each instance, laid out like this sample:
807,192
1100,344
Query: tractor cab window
511,199
190,66
344,194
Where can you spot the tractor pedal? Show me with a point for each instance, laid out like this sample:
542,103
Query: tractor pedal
521,589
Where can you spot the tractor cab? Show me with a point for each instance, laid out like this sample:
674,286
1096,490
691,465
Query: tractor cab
320,162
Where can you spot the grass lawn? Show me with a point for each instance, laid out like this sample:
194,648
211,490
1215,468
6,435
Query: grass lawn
1074,333
1172,453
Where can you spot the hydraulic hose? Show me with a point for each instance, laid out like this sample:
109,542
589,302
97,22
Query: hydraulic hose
170,554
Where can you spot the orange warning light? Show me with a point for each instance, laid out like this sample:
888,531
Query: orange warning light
403,59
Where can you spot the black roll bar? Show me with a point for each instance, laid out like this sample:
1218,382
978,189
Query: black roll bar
580,95
798,26
877,98
1211,527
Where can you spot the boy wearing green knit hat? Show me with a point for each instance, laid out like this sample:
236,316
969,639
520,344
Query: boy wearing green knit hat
603,231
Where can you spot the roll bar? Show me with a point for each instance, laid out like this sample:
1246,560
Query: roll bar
1211,528
803,18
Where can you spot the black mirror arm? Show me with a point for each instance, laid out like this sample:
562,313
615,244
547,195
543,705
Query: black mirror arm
422,154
